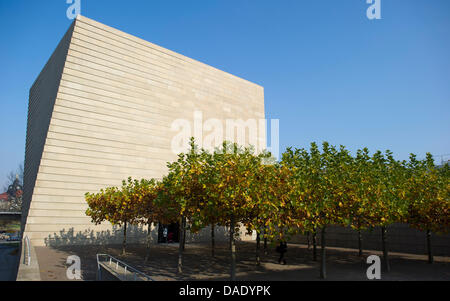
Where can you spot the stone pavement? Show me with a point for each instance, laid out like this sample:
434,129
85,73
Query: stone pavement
29,272
342,264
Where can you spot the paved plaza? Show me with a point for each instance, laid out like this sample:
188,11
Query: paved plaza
342,264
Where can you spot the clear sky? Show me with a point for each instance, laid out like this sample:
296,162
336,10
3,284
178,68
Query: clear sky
328,71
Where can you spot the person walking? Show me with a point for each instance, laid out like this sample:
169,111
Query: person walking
165,230
282,249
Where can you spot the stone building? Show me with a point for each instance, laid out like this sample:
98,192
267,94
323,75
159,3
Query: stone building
104,108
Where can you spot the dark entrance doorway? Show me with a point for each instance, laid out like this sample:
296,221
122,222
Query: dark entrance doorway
169,233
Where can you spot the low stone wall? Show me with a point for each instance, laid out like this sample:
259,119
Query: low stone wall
28,272
401,238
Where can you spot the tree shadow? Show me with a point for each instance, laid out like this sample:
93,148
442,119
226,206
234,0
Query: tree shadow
135,234
90,237
87,243
198,263
400,238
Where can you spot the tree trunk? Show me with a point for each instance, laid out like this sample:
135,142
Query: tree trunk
258,244
213,241
430,253
385,249
314,245
229,242
180,248
265,241
360,243
308,240
323,268
124,243
233,250
149,241
184,234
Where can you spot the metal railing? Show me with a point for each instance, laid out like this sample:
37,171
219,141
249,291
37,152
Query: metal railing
27,251
114,264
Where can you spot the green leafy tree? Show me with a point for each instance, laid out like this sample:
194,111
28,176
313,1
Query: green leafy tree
389,205
144,197
305,188
428,191
186,187
358,209
115,206
231,190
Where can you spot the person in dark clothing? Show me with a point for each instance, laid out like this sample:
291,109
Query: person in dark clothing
282,248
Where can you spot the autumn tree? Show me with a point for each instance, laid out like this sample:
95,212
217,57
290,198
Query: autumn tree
185,185
268,209
360,210
428,194
323,185
115,206
336,191
230,189
389,204
144,197
299,161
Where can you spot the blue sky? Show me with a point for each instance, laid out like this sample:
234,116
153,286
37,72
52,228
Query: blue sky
329,73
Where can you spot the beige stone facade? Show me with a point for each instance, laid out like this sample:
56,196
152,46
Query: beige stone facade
102,110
